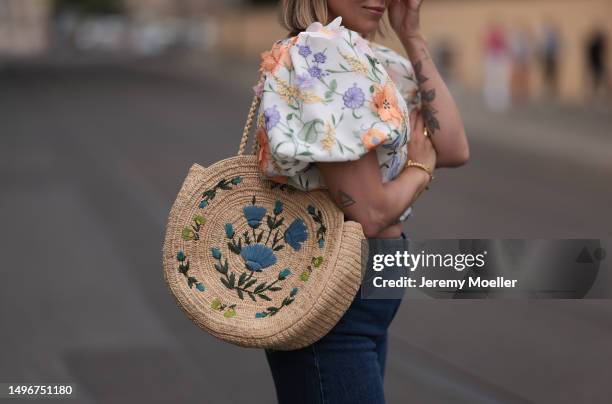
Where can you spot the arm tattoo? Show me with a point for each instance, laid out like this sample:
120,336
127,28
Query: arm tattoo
345,199
429,111
427,98
418,71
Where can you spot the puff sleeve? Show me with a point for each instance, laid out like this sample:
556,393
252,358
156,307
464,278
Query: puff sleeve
401,71
326,97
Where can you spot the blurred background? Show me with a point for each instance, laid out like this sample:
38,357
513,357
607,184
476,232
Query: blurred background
104,105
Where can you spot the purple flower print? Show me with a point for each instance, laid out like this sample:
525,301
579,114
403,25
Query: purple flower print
315,72
353,97
304,81
271,117
304,50
320,57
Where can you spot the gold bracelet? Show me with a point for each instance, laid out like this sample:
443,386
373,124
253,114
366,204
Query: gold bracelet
411,163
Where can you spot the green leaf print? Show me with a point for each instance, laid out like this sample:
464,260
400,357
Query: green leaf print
311,130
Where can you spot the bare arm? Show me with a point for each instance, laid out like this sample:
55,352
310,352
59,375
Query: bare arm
358,189
439,110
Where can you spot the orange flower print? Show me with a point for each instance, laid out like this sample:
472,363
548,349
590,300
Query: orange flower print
384,103
264,156
373,138
278,56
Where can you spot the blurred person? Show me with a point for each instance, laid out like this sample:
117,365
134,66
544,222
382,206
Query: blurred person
497,68
341,112
521,54
549,52
596,53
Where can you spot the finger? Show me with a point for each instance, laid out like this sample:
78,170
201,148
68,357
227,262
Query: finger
419,125
414,117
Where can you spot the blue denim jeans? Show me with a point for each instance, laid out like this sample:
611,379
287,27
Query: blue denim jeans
346,366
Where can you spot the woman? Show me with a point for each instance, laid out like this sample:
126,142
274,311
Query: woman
343,113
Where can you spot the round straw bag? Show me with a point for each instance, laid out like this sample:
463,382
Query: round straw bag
257,263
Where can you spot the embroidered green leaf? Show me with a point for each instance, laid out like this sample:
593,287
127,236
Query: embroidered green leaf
281,143
233,247
250,283
224,282
259,287
242,278
333,85
232,280
279,223
265,297
240,295
311,130
220,269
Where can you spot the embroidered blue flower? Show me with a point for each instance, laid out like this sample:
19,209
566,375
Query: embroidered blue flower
293,292
304,50
321,243
315,72
257,257
181,256
311,209
282,275
353,97
203,204
253,215
296,234
229,230
216,253
278,207
200,286
271,117
320,57
236,180
260,314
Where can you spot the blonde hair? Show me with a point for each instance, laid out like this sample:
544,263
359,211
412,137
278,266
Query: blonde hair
297,15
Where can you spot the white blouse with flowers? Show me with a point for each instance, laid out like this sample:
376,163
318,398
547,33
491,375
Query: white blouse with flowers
331,95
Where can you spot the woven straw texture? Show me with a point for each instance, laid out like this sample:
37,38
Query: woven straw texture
256,263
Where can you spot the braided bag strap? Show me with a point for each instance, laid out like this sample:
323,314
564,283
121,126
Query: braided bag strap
249,121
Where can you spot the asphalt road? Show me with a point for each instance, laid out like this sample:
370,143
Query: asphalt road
91,159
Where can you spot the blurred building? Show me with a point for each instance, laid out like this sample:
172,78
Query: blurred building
155,9
552,48
460,26
23,27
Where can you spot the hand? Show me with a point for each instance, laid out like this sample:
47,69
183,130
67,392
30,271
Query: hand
404,17
420,147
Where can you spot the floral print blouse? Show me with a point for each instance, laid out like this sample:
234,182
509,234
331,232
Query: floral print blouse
331,95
